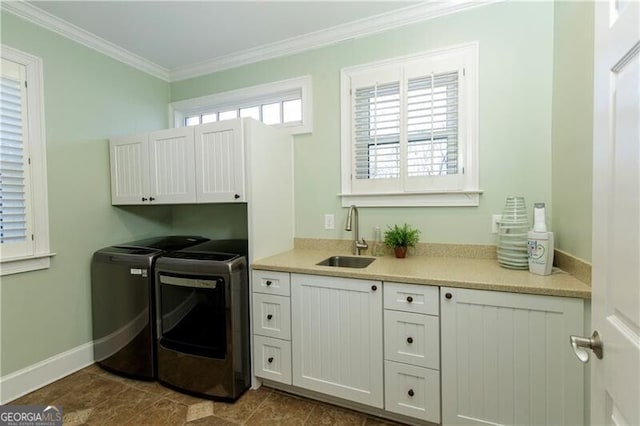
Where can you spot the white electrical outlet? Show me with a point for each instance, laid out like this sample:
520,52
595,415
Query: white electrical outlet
329,221
495,223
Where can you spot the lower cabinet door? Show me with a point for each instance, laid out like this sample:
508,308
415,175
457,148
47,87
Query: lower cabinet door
272,359
337,337
412,391
412,338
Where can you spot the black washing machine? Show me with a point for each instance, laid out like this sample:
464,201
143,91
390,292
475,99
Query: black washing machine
122,295
203,319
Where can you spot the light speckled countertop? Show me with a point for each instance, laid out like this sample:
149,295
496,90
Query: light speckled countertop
482,274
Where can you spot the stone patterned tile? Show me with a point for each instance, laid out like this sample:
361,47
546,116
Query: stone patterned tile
281,409
243,408
376,421
87,391
121,407
211,421
200,410
47,394
76,418
323,414
163,413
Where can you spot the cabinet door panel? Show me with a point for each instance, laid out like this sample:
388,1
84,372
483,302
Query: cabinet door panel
129,170
412,391
172,166
271,316
219,157
412,338
506,358
337,337
272,359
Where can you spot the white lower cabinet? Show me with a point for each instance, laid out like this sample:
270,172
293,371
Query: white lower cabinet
337,337
412,391
506,359
412,351
272,359
271,320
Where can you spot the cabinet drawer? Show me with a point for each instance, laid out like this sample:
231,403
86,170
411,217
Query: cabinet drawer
412,338
272,316
421,299
412,391
271,282
272,359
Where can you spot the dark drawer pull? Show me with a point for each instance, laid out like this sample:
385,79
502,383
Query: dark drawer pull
374,287
144,198
411,393
409,299
270,360
409,340
269,317
268,283
236,196
151,198
448,296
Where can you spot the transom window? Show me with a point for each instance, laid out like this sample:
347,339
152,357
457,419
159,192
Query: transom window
286,104
409,130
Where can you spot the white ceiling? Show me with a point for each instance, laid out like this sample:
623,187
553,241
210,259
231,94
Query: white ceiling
181,39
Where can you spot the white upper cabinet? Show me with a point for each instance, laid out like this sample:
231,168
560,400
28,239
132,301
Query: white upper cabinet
129,169
196,164
219,162
171,166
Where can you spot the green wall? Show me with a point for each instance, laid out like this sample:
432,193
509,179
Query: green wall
572,154
516,70
88,98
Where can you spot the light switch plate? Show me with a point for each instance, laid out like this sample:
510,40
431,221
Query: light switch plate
329,221
495,223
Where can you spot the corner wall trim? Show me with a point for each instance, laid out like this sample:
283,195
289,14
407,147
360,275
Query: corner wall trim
28,379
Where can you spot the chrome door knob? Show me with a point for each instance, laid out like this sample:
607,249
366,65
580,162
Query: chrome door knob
581,344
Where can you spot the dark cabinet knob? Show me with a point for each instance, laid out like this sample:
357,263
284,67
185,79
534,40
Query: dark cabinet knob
151,198
374,287
269,317
448,296
236,196
411,393
268,283
144,198
409,299
409,340
270,360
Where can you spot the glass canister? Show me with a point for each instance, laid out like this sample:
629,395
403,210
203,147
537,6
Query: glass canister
512,234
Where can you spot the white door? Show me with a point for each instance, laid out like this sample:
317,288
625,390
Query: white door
615,393
172,164
129,169
337,337
219,162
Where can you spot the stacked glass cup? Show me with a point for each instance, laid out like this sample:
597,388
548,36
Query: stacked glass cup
512,234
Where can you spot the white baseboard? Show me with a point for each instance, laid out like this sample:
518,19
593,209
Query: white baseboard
28,379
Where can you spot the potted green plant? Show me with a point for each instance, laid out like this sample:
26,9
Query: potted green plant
400,238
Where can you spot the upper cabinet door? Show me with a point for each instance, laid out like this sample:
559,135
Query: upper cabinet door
129,170
172,171
219,162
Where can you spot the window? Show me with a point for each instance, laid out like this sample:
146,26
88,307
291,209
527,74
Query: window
285,104
24,236
409,130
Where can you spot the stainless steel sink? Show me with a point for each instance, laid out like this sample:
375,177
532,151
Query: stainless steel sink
347,261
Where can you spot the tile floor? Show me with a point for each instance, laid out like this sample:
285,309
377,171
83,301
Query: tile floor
93,396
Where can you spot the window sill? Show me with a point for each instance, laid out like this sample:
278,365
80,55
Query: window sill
18,265
469,198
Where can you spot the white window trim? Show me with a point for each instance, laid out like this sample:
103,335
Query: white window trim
38,191
246,97
470,194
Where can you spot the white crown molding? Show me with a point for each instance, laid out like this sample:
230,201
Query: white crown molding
349,30
360,28
46,20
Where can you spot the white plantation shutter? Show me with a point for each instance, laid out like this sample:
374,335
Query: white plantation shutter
15,215
376,118
432,125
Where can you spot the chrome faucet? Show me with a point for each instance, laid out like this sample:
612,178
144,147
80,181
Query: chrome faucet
357,244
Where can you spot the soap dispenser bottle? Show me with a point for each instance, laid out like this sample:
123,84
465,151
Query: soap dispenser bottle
540,243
